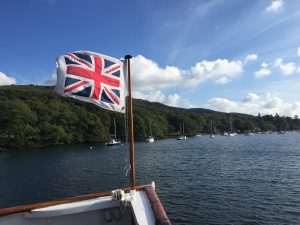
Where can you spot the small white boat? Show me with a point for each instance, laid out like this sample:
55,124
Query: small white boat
150,139
225,134
120,207
181,136
211,130
113,142
281,132
198,135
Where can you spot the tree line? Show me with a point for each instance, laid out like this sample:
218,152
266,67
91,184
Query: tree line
36,116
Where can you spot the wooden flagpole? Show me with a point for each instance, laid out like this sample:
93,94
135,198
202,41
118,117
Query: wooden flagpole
131,134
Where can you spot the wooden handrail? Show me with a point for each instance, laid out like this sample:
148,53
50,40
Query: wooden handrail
158,210
28,208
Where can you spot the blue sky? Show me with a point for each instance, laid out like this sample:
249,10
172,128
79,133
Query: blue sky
232,56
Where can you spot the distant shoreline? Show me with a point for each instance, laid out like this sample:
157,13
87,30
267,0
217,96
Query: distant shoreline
35,116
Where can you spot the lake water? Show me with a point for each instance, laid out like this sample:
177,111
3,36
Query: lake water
225,180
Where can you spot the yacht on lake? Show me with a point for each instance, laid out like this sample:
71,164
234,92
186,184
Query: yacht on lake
181,135
211,131
150,138
114,141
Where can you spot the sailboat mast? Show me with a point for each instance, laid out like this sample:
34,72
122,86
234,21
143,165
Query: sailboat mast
115,128
179,128
183,128
131,134
150,129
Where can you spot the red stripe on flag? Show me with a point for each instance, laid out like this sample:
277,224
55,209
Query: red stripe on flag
75,86
111,96
112,69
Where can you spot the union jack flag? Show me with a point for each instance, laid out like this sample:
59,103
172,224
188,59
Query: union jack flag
92,77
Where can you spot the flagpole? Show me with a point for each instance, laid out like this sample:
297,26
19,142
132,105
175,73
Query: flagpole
131,134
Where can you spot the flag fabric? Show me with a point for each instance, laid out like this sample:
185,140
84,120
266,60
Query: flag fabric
93,78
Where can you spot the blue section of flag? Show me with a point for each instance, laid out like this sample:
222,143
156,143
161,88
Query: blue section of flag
70,81
70,62
85,92
105,98
84,57
117,92
117,73
107,63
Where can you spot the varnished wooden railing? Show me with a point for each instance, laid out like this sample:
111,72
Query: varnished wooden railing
158,210
28,208
159,213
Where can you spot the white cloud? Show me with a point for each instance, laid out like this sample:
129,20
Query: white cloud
147,75
251,57
275,6
298,52
223,105
158,96
253,104
264,71
173,100
221,71
6,80
250,98
285,68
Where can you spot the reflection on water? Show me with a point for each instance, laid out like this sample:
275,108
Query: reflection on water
225,180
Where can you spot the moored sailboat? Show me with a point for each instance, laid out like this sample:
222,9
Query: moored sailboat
114,141
181,135
211,131
231,133
150,138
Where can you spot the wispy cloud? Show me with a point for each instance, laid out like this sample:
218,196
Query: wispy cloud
190,17
298,52
275,6
250,57
6,80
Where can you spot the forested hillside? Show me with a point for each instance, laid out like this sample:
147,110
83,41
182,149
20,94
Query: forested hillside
36,116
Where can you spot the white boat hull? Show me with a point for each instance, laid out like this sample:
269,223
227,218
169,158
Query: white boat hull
113,142
150,140
181,138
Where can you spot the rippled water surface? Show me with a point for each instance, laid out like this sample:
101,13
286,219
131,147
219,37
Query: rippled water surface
225,180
